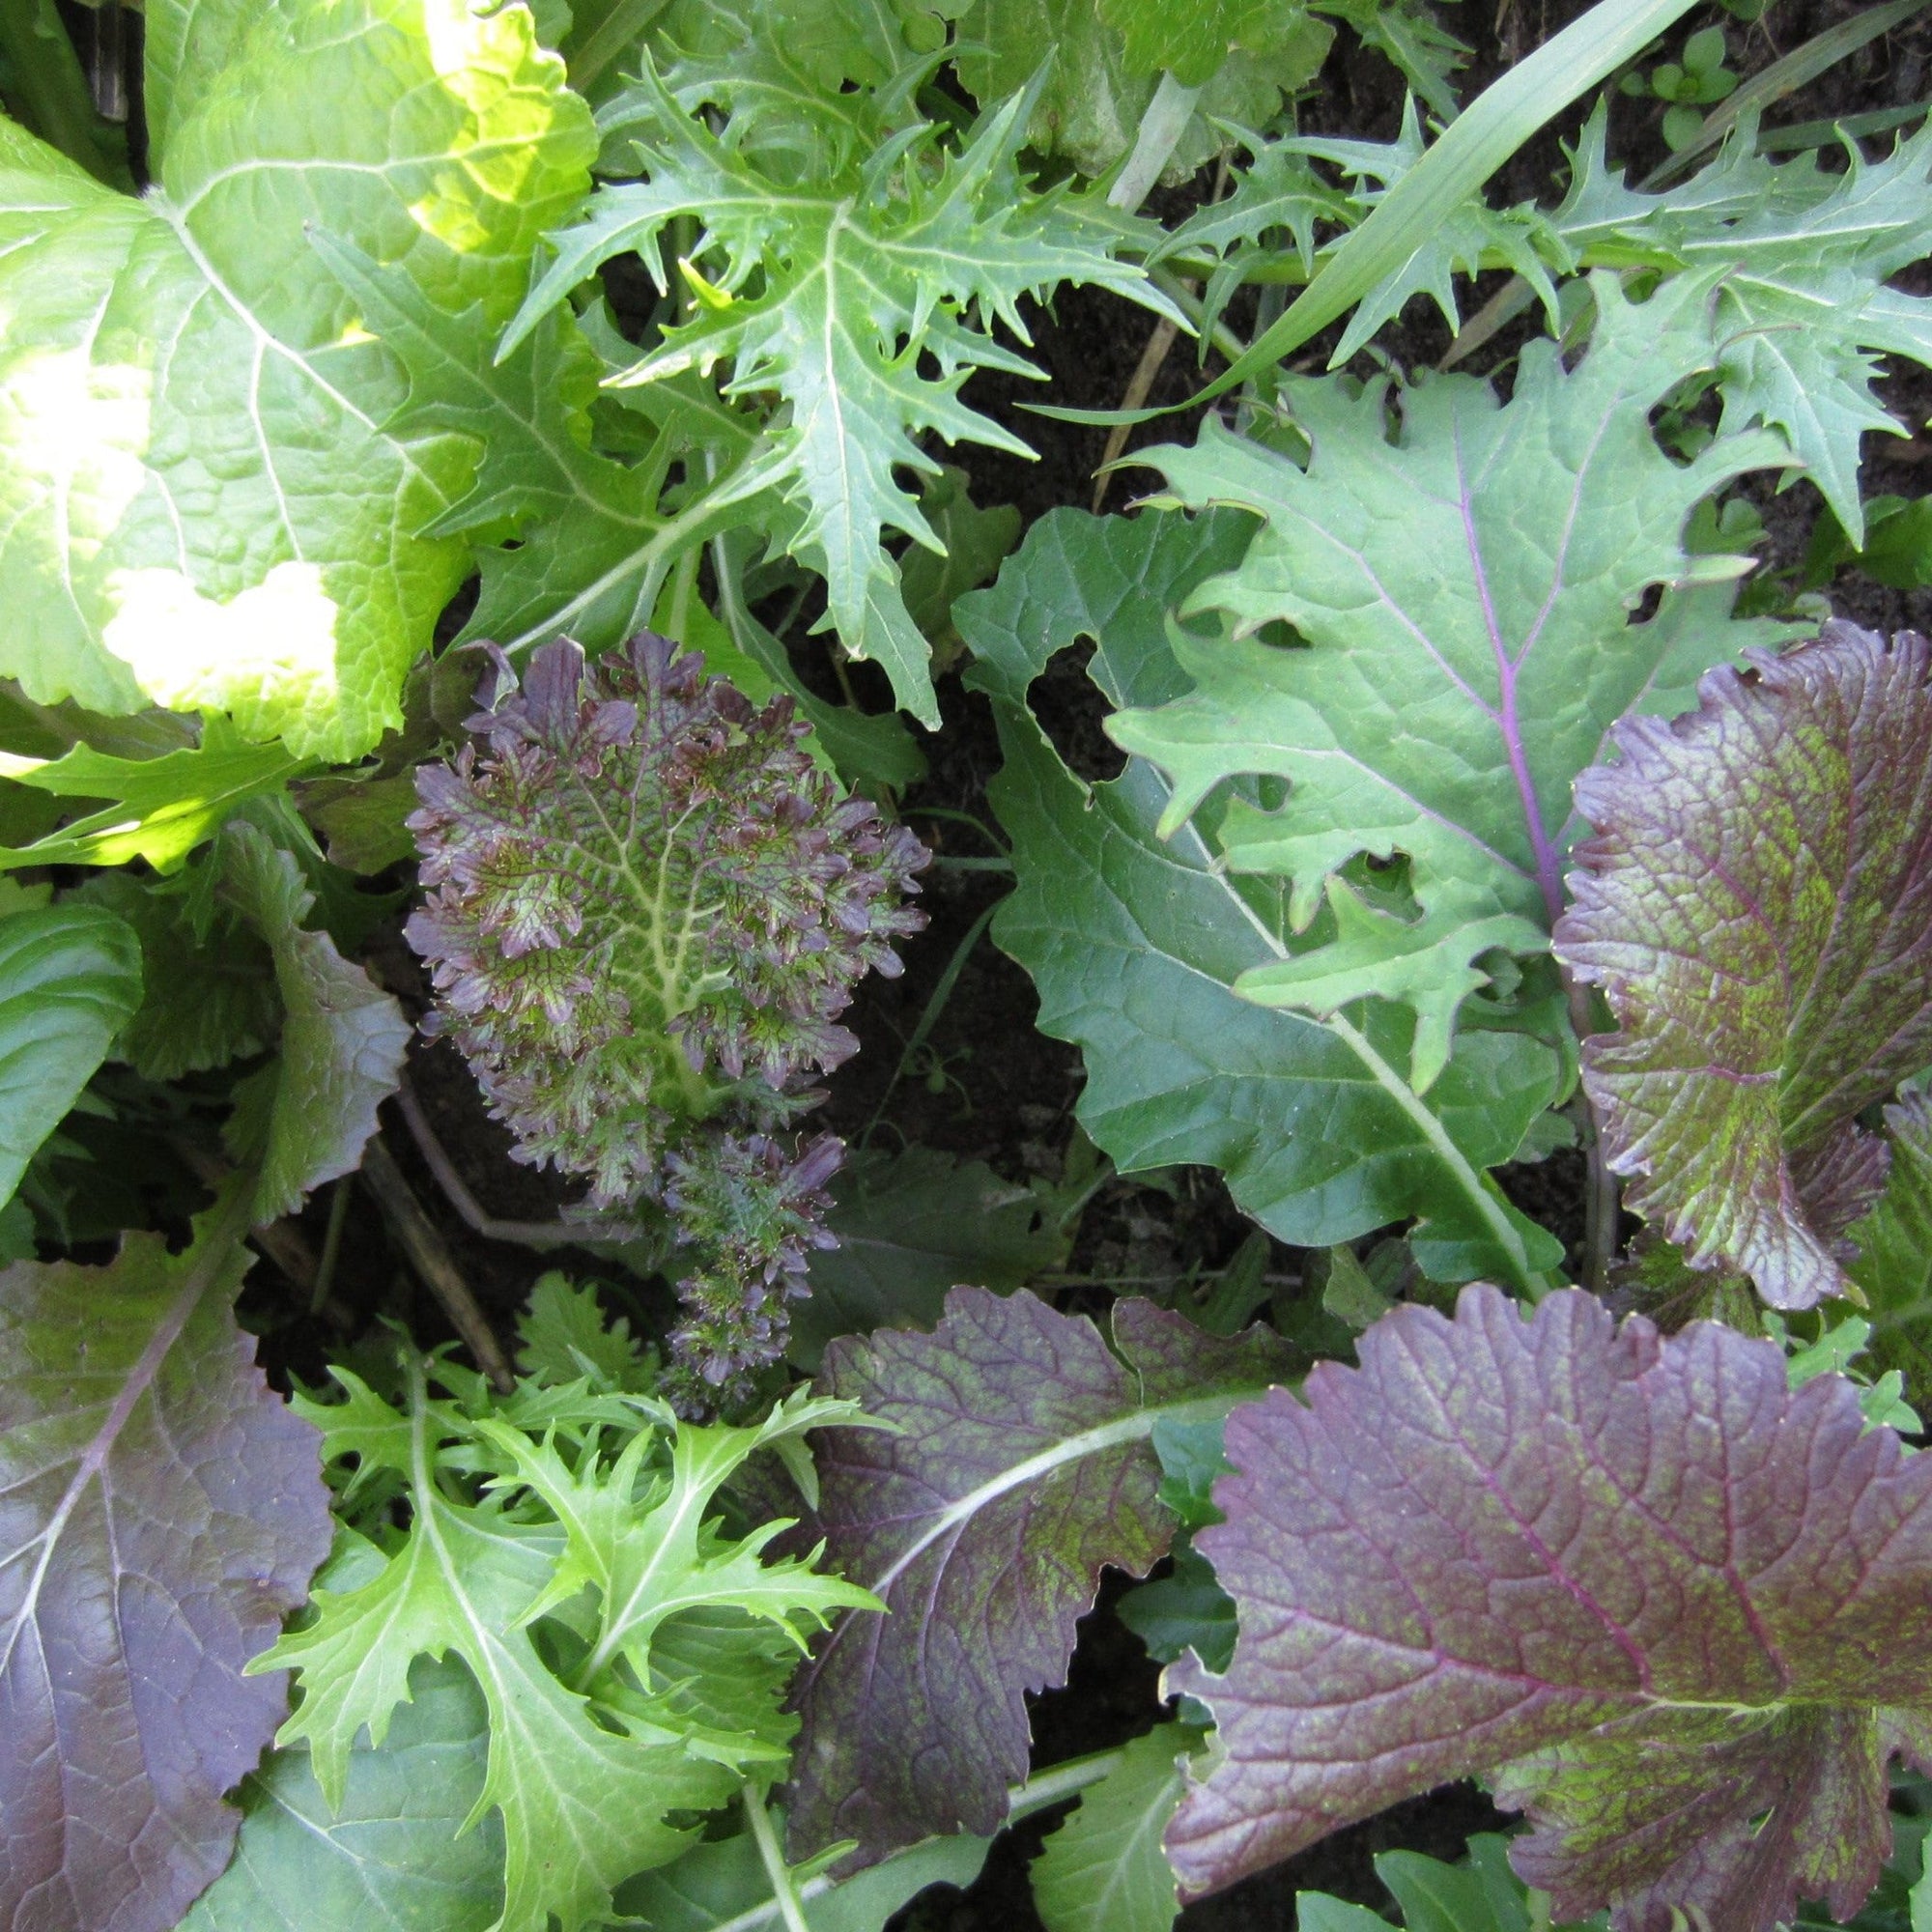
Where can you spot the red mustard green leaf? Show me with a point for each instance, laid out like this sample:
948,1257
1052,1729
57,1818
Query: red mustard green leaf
1757,906
160,1511
1019,1463
1685,1609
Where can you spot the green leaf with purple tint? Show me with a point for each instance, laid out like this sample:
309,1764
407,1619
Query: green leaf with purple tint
1678,1611
1462,592
1018,1462
1757,907
160,1511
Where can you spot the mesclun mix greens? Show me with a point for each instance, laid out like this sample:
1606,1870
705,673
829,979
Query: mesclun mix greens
511,627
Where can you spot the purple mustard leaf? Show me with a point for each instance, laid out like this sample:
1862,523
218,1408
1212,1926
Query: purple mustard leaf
1757,906
1684,1609
160,1511
1018,1464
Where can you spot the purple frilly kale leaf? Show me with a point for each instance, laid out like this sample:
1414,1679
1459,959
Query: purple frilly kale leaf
1680,1612
646,910
160,1511
1757,906
1019,1463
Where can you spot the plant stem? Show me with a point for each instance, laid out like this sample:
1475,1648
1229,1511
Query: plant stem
934,1007
331,1244
430,1257
1600,1197
776,1868
1161,127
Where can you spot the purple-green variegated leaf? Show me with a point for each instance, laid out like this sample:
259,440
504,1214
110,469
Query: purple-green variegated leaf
1757,906
160,1511
1017,1463
1680,1612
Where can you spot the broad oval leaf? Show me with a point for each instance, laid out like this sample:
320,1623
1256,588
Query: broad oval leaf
1017,1463
1686,1608
1757,907
69,980
184,384
160,1510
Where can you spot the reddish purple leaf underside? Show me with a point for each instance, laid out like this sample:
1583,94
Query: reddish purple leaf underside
1757,906
161,1510
1666,1595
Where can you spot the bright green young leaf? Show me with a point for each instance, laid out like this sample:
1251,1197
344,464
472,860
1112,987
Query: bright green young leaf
1895,1243
1755,906
865,272
1803,258
161,807
1136,943
565,1338
587,1756
389,1855
342,1037
69,980
184,385
1103,1871
1462,594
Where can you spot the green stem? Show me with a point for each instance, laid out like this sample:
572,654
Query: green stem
776,1869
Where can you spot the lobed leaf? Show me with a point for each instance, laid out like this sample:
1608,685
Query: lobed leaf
1757,907
1137,944
1462,594
160,1511
185,384
1014,1462
1676,1610
69,980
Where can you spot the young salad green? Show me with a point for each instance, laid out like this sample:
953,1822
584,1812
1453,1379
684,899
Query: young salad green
508,635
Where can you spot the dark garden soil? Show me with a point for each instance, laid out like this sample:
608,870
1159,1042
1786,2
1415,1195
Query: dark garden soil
993,1087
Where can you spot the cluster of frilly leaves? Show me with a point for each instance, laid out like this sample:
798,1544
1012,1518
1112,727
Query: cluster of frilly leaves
646,908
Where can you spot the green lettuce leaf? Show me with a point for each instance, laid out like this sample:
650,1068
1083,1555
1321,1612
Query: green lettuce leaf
1755,905
184,384
1136,943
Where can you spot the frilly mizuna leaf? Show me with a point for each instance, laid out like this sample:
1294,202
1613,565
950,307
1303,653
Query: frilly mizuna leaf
160,1510
1137,943
69,980
1686,1608
1016,1464
1463,592
1757,907
184,385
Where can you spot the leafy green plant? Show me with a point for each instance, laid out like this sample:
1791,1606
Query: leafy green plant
473,520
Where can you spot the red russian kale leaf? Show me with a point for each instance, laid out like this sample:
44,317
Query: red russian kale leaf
160,1511
1019,1464
1686,1608
1757,907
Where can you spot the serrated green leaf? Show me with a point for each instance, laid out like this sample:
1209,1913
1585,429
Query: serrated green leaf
185,383
1803,258
390,1853
1103,1871
1463,592
342,1039
565,1338
1136,943
582,1806
866,273
69,980
162,808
